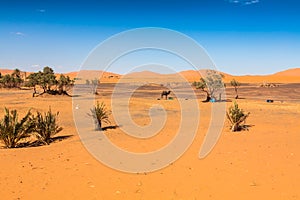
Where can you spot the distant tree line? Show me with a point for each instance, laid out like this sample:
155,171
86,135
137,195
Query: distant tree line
13,80
49,83
46,80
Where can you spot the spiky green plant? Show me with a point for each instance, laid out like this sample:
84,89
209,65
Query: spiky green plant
236,116
100,114
46,126
12,131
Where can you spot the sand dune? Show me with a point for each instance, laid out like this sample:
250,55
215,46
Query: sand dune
83,75
289,72
192,75
6,71
92,73
143,74
287,76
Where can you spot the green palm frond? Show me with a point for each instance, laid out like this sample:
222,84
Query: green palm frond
46,126
100,114
12,130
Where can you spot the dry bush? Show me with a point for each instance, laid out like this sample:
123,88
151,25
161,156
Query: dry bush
237,117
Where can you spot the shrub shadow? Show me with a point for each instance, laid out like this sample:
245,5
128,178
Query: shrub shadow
39,143
110,127
246,127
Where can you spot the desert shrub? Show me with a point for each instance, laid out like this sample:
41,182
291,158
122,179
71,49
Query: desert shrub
12,131
236,116
46,126
100,114
236,86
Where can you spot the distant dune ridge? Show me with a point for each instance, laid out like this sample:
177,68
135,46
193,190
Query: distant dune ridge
289,72
144,74
6,71
93,74
286,76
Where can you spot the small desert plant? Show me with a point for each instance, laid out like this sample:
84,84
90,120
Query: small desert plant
100,114
46,126
236,86
236,116
12,130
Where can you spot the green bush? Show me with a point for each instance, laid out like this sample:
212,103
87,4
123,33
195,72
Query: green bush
100,114
43,127
46,126
13,80
236,116
12,131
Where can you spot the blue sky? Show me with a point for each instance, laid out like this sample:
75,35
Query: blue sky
241,36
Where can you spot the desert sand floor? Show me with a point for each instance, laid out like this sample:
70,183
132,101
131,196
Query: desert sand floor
261,163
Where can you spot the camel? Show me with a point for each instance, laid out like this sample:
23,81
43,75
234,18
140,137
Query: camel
165,93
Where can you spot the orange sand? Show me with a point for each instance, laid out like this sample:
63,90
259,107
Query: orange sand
262,163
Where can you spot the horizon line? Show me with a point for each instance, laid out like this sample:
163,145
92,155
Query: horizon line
67,72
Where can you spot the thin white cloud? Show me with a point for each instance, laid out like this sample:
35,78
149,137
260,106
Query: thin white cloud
41,10
18,33
243,2
251,2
